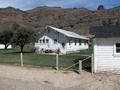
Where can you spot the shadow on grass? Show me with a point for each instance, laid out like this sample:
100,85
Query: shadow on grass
86,65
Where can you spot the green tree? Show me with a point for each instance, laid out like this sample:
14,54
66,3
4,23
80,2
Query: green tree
104,23
15,26
110,22
101,7
107,23
5,37
23,36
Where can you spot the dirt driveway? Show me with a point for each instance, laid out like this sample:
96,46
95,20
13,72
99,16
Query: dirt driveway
23,78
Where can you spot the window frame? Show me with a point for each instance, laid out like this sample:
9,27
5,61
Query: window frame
47,40
75,41
55,41
115,49
85,42
80,42
40,41
70,42
43,40
63,45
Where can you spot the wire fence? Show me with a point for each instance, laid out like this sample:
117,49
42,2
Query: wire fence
43,60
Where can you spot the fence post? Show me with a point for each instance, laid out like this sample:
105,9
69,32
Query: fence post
21,59
92,64
57,67
80,66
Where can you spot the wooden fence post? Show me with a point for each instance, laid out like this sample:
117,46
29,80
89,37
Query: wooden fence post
92,64
80,66
21,59
57,67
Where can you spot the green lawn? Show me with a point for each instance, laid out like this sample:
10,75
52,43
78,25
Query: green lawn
12,56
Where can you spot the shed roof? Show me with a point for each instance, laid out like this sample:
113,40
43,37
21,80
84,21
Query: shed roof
105,31
67,33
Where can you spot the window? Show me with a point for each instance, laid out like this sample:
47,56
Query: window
79,42
75,42
40,41
70,41
86,42
47,40
55,41
63,45
117,47
43,40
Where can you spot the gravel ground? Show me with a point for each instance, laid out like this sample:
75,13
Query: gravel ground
24,78
14,84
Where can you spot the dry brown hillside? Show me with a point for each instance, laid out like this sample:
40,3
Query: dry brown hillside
9,16
75,19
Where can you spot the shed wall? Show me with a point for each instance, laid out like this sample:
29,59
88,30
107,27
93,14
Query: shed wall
105,60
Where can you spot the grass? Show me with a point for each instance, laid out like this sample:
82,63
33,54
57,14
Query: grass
12,56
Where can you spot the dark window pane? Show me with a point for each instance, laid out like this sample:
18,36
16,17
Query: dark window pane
79,42
55,41
118,50
75,42
63,45
117,44
117,47
47,41
40,41
43,40
70,41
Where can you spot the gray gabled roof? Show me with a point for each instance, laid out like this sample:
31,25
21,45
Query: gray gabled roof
67,33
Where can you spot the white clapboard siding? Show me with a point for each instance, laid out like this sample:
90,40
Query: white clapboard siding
105,59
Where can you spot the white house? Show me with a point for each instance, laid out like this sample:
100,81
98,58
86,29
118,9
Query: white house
106,45
53,39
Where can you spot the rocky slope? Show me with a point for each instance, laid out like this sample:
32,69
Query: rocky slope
78,20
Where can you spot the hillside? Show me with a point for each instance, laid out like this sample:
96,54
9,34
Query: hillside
10,15
78,20
116,7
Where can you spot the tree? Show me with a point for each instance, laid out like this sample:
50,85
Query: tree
109,22
15,26
104,23
100,7
118,22
23,36
5,37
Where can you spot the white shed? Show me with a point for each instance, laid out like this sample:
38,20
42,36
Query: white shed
106,45
54,38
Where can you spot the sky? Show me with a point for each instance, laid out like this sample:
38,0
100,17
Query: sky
30,4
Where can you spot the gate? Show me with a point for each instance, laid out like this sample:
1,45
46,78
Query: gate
78,66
